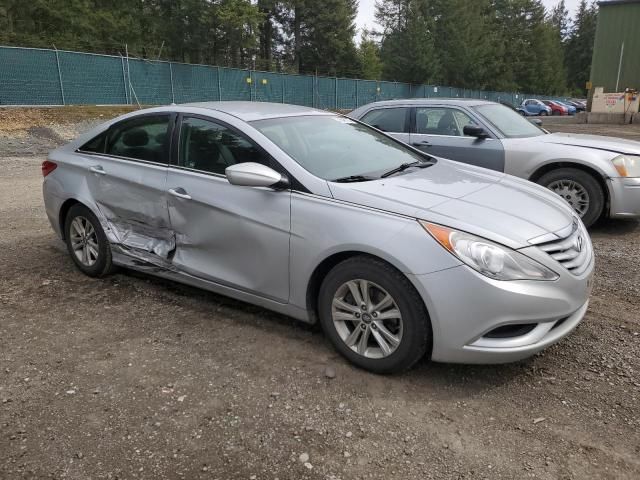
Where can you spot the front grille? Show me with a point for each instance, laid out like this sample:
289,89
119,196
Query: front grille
573,252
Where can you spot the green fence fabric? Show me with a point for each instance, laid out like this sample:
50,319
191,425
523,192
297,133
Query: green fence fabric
31,76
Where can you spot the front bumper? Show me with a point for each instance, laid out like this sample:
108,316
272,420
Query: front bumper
466,307
625,197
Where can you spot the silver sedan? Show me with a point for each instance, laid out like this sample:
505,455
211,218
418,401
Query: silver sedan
395,253
598,176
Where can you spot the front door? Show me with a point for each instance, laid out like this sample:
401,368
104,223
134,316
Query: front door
232,235
439,131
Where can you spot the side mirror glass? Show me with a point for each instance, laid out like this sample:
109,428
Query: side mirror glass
250,174
536,121
475,131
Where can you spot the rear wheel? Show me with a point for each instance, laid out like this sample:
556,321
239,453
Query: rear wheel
543,113
87,243
579,189
374,316
556,113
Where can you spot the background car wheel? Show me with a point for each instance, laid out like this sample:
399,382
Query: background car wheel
556,113
374,316
579,189
543,113
86,242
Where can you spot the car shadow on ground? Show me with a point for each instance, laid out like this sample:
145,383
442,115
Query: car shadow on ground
615,227
459,379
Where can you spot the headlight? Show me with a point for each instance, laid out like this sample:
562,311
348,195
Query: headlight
488,258
627,165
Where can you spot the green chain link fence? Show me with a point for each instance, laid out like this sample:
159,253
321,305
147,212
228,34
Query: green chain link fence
31,76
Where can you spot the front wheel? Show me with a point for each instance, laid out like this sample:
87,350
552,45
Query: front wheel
374,316
543,113
579,189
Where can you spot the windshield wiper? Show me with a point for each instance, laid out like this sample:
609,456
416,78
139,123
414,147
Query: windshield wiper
353,178
405,166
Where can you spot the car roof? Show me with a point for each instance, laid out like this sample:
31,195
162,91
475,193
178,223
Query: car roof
469,102
250,111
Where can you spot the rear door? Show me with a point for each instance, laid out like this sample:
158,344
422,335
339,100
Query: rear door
438,130
127,171
392,120
231,235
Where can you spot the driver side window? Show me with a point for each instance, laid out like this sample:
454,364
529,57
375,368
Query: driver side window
441,121
211,147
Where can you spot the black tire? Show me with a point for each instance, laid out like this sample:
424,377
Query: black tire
586,181
103,263
416,334
543,113
556,113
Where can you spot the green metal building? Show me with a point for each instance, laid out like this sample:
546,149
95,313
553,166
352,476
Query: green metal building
616,53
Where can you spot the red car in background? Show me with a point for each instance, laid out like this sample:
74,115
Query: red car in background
556,108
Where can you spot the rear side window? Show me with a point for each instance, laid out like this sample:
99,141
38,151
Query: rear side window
388,119
96,144
144,138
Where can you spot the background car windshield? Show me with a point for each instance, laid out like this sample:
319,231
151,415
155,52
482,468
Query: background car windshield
333,147
510,123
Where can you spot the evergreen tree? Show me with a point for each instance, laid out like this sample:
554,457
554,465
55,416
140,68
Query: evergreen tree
369,57
579,50
322,36
466,40
408,50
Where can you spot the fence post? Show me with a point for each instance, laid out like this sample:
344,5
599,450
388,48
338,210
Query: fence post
284,84
357,100
173,96
60,76
219,86
124,81
336,89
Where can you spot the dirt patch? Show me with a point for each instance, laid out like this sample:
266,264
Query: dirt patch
134,377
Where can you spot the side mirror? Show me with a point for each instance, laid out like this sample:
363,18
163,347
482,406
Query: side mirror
475,131
250,174
536,121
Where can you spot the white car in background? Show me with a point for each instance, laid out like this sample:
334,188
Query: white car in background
598,176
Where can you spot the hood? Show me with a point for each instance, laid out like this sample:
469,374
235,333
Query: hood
610,144
493,205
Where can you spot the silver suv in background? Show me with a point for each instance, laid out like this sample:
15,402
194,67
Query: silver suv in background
598,176
323,218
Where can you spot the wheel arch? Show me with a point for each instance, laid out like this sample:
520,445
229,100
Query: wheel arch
62,214
325,266
597,175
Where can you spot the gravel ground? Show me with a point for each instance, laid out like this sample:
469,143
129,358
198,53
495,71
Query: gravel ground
134,377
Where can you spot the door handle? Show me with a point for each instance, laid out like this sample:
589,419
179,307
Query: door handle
423,143
97,169
180,193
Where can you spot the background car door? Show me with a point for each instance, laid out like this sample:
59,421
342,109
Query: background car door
235,236
439,131
392,120
127,174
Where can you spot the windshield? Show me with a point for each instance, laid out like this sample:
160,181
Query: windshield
510,123
333,147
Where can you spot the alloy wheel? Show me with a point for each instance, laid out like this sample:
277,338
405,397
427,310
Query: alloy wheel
367,318
84,241
574,194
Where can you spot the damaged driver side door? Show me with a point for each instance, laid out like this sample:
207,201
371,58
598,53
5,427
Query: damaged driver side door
127,173
235,236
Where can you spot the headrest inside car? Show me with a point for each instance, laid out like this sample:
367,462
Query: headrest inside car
135,138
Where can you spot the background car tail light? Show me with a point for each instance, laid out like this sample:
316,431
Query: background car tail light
48,167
